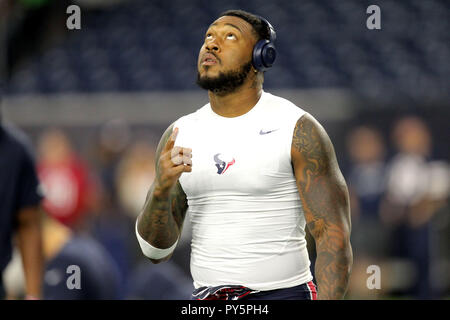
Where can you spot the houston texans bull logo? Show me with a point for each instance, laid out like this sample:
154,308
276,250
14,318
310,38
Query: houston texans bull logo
222,165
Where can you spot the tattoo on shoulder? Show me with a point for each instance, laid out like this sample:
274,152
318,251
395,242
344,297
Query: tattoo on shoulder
309,141
320,181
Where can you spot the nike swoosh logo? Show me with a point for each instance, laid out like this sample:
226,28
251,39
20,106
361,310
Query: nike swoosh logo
266,132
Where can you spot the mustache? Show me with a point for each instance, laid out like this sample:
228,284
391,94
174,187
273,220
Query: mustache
215,56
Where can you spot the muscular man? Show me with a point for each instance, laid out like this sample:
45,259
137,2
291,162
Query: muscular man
252,169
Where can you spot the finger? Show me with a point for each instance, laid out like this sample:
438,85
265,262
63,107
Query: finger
176,151
178,170
180,150
177,155
187,160
170,143
177,160
187,151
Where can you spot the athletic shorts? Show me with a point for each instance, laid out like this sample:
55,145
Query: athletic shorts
306,291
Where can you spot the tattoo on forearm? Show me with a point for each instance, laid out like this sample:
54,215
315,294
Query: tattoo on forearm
325,202
158,226
163,218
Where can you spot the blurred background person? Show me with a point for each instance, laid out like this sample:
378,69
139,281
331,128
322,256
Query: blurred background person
107,222
416,187
75,198
159,282
20,216
77,267
111,142
20,198
123,179
134,176
99,274
367,151
64,177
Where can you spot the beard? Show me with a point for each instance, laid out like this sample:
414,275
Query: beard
225,82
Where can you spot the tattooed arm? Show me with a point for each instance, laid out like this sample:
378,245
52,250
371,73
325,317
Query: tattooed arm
161,219
325,201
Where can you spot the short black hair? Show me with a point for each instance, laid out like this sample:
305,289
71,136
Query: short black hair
261,30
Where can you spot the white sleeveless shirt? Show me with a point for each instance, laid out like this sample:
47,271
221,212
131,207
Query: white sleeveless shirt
248,225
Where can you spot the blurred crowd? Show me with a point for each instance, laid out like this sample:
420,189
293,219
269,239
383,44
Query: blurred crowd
93,194
91,202
400,211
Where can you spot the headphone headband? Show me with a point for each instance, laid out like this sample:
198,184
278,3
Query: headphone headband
264,52
272,33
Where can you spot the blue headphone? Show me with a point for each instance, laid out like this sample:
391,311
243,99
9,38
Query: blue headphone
264,52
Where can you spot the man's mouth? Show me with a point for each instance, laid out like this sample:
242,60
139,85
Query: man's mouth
209,59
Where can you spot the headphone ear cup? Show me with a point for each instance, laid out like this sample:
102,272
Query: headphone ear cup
258,62
269,54
264,55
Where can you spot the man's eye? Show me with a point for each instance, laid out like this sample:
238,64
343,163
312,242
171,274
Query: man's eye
231,36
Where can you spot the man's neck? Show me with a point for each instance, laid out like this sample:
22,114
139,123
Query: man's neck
236,103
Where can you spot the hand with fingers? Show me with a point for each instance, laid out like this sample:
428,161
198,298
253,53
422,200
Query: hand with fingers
174,160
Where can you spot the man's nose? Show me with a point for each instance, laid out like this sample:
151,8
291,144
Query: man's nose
212,46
